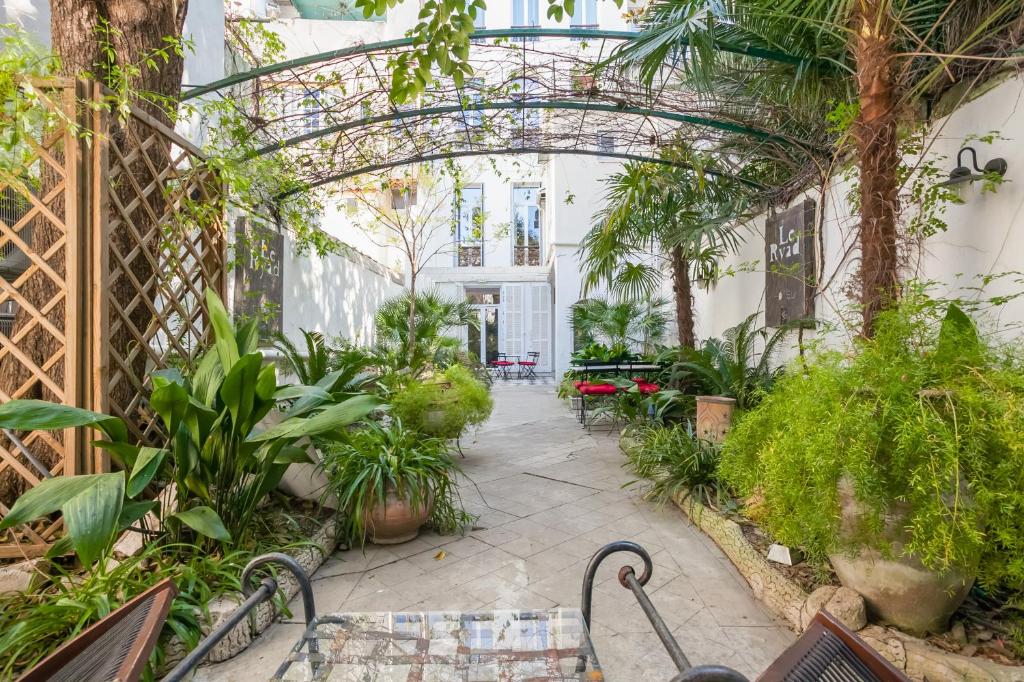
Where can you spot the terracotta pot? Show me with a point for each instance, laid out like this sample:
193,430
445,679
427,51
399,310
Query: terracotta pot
897,589
714,417
397,520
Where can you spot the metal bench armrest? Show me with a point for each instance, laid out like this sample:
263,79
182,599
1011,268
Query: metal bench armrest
255,595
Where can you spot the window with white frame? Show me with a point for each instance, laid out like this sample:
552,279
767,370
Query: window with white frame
469,226
584,14
525,225
526,14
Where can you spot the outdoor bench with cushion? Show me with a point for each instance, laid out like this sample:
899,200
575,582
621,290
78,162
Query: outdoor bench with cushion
535,645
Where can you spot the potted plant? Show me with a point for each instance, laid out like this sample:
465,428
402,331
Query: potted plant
390,481
901,462
444,406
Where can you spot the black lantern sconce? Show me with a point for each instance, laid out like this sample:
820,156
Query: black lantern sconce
962,173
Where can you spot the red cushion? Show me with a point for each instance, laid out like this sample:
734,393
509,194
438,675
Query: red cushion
576,384
640,380
503,363
528,363
598,389
648,388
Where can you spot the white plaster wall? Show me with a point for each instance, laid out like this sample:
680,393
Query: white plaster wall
336,294
985,235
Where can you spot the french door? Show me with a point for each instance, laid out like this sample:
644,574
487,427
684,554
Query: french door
484,340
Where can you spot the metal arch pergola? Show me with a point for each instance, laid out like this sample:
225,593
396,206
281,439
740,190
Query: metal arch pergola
533,92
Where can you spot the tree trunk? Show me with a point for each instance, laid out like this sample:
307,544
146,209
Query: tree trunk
412,314
136,29
684,297
876,135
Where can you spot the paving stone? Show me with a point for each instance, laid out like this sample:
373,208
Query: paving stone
550,495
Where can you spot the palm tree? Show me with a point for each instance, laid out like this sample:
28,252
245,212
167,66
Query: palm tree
433,315
627,322
651,211
854,71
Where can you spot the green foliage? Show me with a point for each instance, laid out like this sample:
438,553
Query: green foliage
445,406
926,414
674,460
434,315
222,467
368,463
739,365
594,351
34,624
629,322
648,211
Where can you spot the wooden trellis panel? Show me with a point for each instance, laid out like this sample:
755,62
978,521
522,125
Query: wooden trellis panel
107,242
161,247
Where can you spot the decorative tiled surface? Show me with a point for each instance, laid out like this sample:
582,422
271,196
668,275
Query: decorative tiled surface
446,646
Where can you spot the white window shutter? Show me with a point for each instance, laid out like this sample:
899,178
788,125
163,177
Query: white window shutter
540,325
512,298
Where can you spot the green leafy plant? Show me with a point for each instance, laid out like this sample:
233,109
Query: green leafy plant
370,462
434,314
733,366
674,460
222,467
620,324
444,406
925,413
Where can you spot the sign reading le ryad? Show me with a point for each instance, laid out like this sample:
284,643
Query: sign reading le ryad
259,287
789,257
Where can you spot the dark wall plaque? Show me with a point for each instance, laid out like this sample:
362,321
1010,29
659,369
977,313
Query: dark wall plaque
259,282
789,257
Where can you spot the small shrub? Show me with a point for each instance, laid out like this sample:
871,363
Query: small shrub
445,405
924,413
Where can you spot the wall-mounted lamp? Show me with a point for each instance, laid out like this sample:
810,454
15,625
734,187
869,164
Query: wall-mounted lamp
962,173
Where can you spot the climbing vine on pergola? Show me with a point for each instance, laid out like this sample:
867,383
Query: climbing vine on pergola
331,116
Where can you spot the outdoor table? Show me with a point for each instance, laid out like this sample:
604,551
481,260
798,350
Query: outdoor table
614,368
445,646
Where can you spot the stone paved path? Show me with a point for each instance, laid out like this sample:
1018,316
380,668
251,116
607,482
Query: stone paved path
549,495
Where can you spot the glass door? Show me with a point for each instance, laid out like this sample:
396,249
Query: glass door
483,339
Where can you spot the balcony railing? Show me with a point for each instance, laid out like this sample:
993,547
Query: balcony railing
526,255
469,255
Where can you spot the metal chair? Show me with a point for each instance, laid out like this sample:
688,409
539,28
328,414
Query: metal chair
115,648
503,365
528,367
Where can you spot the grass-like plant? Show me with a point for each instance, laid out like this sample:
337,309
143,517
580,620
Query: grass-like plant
674,461
926,413
368,463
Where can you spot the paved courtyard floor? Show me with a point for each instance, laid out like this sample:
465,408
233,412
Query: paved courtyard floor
548,495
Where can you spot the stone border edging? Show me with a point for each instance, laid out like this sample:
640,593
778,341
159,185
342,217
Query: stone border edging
915,657
310,558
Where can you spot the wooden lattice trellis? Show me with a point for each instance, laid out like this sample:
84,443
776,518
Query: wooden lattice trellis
118,233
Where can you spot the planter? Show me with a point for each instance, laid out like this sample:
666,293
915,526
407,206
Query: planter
714,417
397,520
898,589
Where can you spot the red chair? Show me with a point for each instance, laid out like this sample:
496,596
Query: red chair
529,366
503,365
595,391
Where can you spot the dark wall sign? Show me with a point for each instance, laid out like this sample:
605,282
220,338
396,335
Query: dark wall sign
259,282
789,256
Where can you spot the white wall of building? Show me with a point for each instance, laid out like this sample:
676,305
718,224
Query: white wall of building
337,295
985,235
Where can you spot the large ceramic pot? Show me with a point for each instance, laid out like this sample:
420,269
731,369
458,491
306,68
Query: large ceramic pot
397,520
897,589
